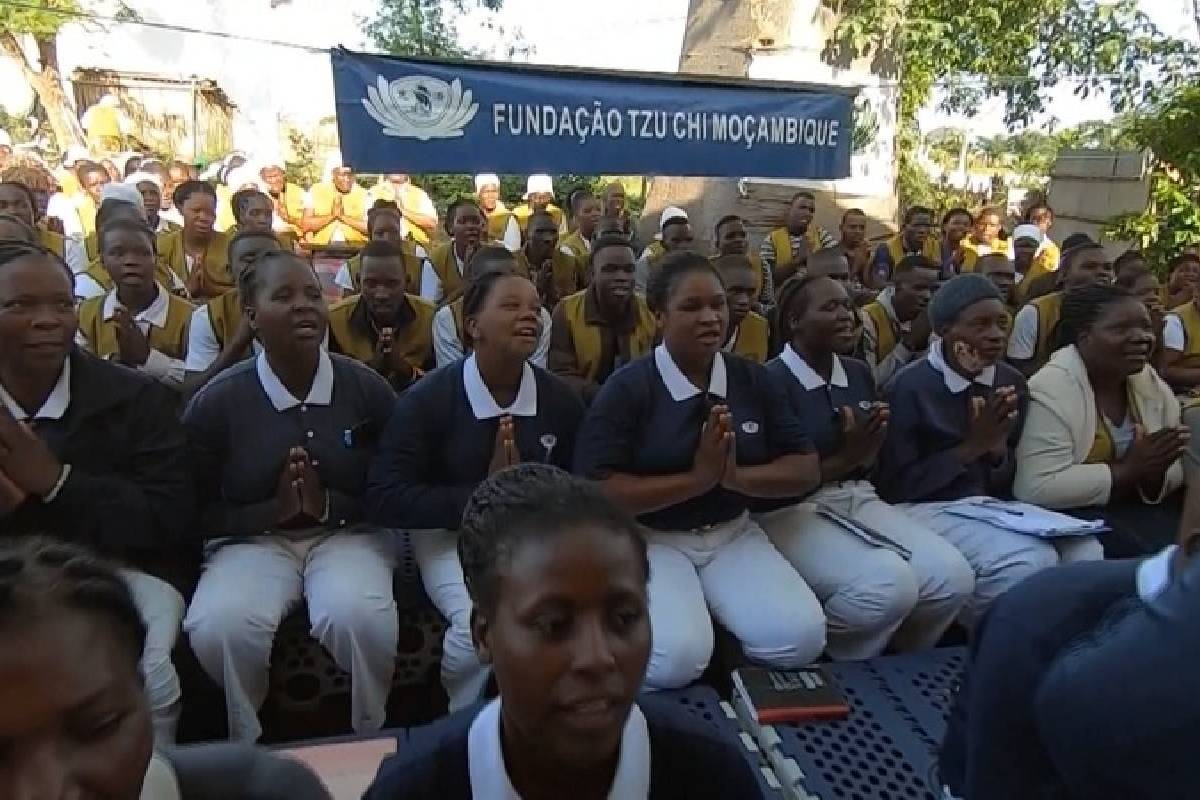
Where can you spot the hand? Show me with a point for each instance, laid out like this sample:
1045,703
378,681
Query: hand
195,283
133,348
287,492
863,437
991,422
711,463
312,492
1151,455
55,225
504,453
26,461
338,210
11,496
917,338
957,258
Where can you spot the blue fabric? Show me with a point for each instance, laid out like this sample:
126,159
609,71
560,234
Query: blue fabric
928,421
819,410
635,427
435,452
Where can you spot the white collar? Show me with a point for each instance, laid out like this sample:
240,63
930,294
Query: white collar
154,314
808,376
484,406
55,405
489,775
956,383
1154,574
732,343
677,383
319,394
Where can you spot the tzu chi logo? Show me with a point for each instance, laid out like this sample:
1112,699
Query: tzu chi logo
420,107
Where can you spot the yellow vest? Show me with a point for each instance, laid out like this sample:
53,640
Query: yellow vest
354,204
583,256
162,273
103,121
413,266
91,245
971,253
287,239
885,330
225,315
1044,263
101,334
54,242
217,276
293,201
586,338
460,324
523,212
564,268
497,222
415,342
225,220
68,182
781,240
931,250
1104,449
87,212
756,265
446,266
1049,310
1189,315
410,196
753,337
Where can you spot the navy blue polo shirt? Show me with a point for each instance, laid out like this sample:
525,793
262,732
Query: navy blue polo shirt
439,444
647,418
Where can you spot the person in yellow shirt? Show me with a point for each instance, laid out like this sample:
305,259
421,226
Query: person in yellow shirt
197,250
554,272
539,196
585,211
733,240
384,327
501,224
92,179
956,224
253,211
237,179
915,239
749,333
983,239
17,200
106,125
420,215
384,224
337,208
288,198
853,240
786,249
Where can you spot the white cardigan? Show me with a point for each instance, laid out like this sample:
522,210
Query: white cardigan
1060,431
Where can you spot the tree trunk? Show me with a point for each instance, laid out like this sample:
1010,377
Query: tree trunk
47,83
718,40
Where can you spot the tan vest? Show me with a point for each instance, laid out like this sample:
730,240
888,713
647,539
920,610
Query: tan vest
415,341
885,331
586,338
564,277
413,266
101,334
354,204
225,315
1190,317
753,338
217,276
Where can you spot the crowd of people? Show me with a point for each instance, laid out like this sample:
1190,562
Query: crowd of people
807,418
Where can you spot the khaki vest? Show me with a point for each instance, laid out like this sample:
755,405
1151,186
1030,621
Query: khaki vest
523,212
756,266
753,338
1049,309
971,253
586,338
225,315
782,242
565,274
885,330
413,265
415,341
53,242
354,204
1190,317
1104,449
932,249
217,276
101,334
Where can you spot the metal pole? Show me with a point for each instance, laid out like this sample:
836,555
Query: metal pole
195,122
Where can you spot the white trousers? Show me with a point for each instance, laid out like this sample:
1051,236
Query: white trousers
872,595
1000,558
161,608
248,587
463,676
733,571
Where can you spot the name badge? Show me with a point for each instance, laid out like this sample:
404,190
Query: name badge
548,441
750,427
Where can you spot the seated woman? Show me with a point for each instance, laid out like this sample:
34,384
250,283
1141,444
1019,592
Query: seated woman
749,331
139,323
444,275
96,281
254,212
455,427
73,634
93,453
956,416
1104,430
922,584
385,223
197,251
280,447
690,439
557,578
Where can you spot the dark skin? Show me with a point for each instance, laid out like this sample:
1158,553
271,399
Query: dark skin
152,200
539,201
15,230
37,331
540,247
1181,283
987,228
612,275
822,322
1003,275
853,233
568,636
176,174
92,181
1024,251
276,181
466,228
677,236
740,286
257,214
422,221
587,216
342,179
488,197
1115,347
383,292
732,239
199,212
914,290
1147,289
129,258
694,325
14,201
954,230
289,318
74,721
916,232
1174,370
614,201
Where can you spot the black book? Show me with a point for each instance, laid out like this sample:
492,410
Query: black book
790,695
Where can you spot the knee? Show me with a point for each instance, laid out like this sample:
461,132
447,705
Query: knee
350,611
794,640
680,655
950,581
882,595
220,623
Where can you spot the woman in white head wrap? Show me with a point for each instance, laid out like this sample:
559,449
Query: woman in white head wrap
539,196
149,186
502,225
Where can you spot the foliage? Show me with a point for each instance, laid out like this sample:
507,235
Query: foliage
429,28
1169,130
1012,49
41,23
445,188
303,168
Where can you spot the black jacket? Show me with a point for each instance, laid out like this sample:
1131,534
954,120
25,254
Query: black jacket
687,761
129,493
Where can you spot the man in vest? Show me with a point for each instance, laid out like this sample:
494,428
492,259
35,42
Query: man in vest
1181,340
600,329
1003,274
384,327
585,213
732,240
1032,340
749,333
854,244
106,126
420,215
337,208
915,239
501,224
1026,239
553,271
288,198
675,233
896,326
539,196
614,206
785,251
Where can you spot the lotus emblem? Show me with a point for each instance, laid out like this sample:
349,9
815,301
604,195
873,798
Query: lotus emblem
420,107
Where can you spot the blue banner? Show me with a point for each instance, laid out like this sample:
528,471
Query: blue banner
404,115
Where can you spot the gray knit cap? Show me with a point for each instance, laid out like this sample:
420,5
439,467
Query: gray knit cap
956,294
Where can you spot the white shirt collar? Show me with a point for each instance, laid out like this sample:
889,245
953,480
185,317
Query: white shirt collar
732,343
489,776
484,406
55,405
956,383
808,376
677,383
154,314
1154,574
319,394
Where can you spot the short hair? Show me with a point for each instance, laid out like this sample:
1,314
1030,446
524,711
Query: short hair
850,211
1127,258
805,193
1076,240
541,215
674,267
1038,206
377,248
126,226
723,263
1082,306
188,188
1071,257
38,574
957,212
723,221
791,300
452,210
242,236
913,263
485,258
26,229
1180,259
989,211
86,167
579,197
605,242
992,258
31,176
526,502
241,199
480,287
671,222
111,209
382,208
914,211
827,256
1128,277
250,281
14,250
